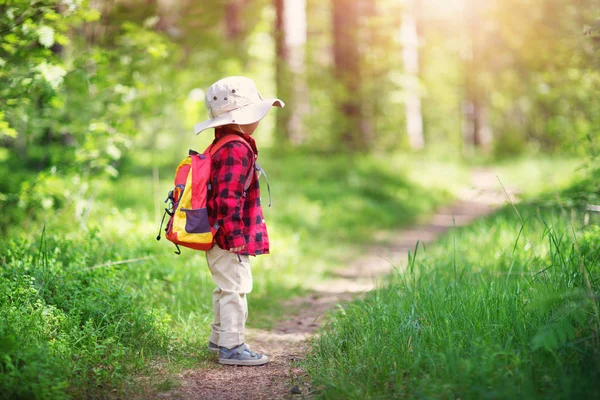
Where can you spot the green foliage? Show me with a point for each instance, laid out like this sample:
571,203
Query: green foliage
90,91
498,309
67,329
537,68
69,107
342,203
92,325
83,85
31,73
563,323
540,76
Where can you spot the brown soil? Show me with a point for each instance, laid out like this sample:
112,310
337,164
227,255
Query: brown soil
282,378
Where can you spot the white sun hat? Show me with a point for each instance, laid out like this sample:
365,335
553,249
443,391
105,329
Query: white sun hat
235,100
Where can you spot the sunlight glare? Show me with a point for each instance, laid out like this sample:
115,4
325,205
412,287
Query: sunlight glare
446,7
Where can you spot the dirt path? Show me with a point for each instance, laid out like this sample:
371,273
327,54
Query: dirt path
286,343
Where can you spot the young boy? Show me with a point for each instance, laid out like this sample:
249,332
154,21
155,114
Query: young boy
235,106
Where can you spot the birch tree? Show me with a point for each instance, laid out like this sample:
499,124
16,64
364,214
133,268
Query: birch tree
410,57
290,41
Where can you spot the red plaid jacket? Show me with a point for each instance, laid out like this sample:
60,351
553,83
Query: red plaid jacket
239,218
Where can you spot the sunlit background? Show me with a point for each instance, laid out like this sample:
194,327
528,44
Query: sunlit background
391,108
499,78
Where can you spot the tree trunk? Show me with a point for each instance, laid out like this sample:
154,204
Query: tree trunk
476,129
168,14
290,40
233,19
346,57
410,56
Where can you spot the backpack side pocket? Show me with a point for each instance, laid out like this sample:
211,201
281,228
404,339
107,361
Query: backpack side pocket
196,221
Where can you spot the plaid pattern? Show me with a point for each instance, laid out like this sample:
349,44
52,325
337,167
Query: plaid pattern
240,218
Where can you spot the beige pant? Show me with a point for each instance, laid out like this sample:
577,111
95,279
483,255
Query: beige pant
230,306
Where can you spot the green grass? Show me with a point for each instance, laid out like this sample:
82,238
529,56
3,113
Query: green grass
93,326
505,308
536,176
69,330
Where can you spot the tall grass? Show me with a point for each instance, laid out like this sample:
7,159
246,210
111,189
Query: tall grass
89,301
66,329
505,308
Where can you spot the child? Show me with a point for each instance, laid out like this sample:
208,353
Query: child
235,106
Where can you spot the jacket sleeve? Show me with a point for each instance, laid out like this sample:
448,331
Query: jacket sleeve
233,167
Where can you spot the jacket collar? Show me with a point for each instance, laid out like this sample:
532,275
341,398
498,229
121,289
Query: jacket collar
223,131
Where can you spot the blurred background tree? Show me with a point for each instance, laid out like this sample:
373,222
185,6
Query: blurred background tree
290,42
95,88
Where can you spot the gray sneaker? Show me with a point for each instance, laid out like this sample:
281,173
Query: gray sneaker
241,355
213,347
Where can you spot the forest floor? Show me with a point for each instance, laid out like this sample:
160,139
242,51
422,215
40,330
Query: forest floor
286,343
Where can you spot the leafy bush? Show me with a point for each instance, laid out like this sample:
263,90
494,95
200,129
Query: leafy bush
68,330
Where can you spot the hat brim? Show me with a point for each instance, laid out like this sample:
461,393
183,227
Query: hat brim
245,115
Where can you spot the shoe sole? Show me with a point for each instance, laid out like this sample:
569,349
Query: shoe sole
245,363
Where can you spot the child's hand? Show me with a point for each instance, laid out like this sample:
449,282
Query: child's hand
236,249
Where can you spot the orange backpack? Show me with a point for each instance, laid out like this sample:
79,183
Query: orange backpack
188,223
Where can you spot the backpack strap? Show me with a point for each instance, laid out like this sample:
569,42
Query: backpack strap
262,172
213,148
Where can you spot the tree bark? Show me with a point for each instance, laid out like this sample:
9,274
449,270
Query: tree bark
233,20
346,57
410,56
290,40
476,129
168,14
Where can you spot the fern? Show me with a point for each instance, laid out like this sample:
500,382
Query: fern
563,325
